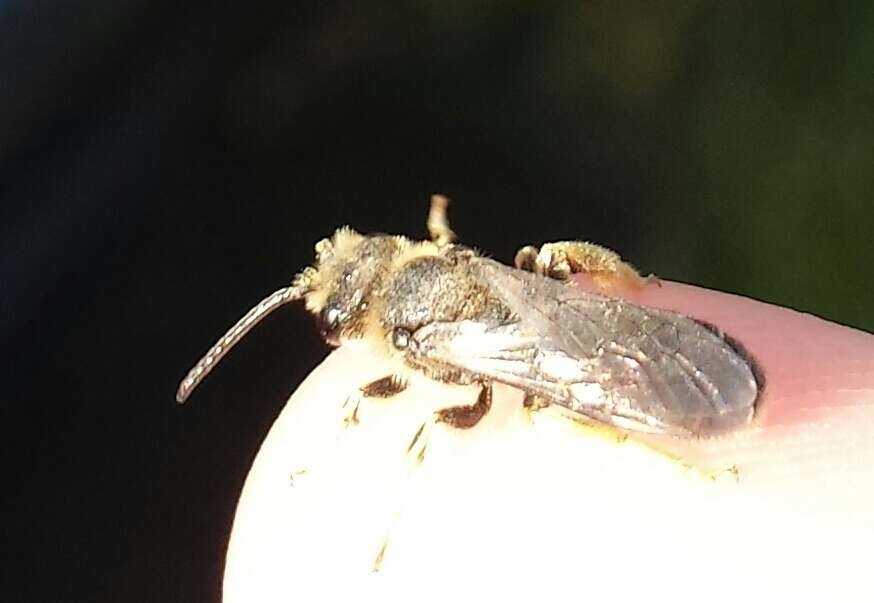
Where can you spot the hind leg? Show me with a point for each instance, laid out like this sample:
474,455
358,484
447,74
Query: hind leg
562,259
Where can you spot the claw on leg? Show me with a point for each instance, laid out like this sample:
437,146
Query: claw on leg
731,473
420,456
386,387
295,474
377,562
352,418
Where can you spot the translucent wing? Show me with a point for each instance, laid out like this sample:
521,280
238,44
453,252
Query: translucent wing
639,368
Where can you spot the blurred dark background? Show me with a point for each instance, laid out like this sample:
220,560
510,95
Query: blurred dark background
163,165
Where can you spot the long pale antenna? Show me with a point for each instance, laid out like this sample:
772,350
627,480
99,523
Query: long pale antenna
236,333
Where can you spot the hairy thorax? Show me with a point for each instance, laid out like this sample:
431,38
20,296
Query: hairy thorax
433,289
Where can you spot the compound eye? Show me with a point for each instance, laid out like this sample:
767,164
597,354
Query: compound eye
330,320
400,338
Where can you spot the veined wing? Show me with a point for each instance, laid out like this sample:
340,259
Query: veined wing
639,368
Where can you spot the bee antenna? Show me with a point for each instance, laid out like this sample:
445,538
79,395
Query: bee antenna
267,305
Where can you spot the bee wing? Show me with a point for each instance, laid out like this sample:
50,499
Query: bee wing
639,368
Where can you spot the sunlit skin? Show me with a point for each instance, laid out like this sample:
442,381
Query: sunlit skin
534,490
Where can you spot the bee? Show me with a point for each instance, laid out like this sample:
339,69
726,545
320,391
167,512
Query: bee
446,311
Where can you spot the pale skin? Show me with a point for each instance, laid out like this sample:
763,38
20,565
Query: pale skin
797,517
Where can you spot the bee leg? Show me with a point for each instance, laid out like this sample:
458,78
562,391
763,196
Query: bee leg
295,474
534,402
461,417
386,387
438,223
731,473
465,417
377,562
352,418
562,259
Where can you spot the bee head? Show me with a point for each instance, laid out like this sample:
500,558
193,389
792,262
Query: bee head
339,288
349,267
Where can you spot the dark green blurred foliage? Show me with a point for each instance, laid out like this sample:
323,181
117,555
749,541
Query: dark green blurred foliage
728,144
781,157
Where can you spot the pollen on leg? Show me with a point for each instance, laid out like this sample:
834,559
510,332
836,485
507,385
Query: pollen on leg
621,276
562,259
